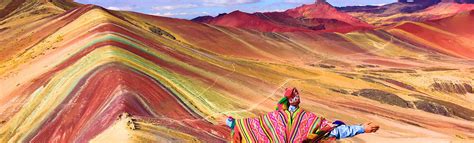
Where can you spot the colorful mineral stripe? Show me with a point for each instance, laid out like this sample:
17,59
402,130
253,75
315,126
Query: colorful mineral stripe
72,72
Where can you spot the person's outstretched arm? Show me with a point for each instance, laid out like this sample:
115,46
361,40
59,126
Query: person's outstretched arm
345,131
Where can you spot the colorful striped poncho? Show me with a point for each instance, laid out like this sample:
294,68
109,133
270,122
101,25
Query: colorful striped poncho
281,126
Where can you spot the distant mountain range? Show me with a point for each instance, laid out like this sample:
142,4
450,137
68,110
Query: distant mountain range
320,16
72,72
323,17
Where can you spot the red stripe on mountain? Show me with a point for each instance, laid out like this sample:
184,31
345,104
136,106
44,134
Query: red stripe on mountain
109,91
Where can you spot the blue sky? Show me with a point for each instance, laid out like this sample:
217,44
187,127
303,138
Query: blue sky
192,8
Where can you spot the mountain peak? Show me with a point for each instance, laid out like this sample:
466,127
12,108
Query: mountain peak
237,12
323,10
321,1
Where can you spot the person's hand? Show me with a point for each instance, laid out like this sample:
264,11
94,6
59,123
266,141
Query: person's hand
370,127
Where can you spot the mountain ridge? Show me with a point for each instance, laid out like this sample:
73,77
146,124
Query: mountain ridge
94,74
320,16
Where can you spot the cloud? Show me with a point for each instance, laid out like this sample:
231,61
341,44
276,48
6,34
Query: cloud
126,8
168,14
298,1
227,2
173,7
271,10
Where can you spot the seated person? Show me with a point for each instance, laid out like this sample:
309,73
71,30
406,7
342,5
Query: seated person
289,123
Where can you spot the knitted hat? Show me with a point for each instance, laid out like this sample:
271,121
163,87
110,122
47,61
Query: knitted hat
291,92
293,95
284,103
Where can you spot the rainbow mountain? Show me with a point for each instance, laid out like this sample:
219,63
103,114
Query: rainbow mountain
71,72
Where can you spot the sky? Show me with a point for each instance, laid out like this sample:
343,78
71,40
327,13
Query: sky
189,9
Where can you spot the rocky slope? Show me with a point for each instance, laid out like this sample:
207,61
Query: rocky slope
87,74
